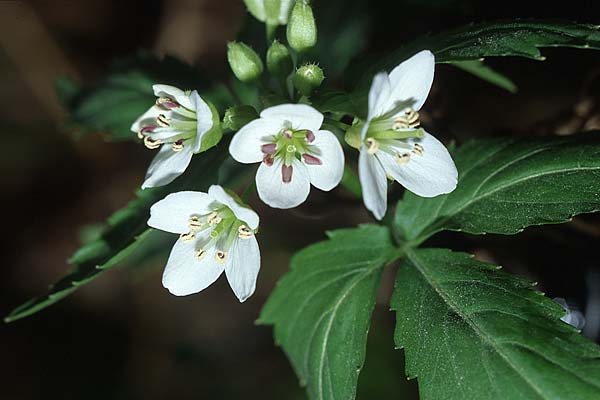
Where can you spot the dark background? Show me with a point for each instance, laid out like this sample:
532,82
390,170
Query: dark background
123,335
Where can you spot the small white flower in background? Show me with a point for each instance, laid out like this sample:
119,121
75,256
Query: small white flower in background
392,144
216,234
293,153
573,316
176,124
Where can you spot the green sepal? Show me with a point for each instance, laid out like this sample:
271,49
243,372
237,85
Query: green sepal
352,136
215,134
238,116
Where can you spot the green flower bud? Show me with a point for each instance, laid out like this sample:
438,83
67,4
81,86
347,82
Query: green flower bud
307,78
302,29
244,62
236,117
279,62
272,12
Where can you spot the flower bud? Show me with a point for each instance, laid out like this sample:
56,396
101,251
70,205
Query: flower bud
307,78
279,62
302,29
272,12
244,62
236,117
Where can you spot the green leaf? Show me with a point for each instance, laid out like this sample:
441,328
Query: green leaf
321,310
125,93
507,185
520,38
124,231
471,331
482,71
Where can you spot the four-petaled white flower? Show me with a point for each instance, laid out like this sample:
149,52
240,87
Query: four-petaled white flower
293,153
177,122
216,234
393,145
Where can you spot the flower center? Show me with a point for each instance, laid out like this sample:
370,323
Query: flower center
290,144
224,228
175,127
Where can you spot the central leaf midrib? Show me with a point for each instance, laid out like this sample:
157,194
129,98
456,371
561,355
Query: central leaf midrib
456,309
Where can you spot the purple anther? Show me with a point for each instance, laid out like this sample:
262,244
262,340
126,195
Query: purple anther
286,173
311,160
268,160
310,137
269,148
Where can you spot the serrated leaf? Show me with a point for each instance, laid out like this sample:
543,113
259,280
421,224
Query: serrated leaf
507,185
125,93
479,69
520,38
471,331
125,229
321,310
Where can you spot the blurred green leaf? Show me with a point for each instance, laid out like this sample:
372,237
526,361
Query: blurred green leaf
321,310
123,232
507,185
471,331
521,38
113,103
482,71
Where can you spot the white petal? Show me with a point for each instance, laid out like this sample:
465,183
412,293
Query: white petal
428,175
242,213
300,116
412,79
204,118
273,191
185,274
379,95
329,174
245,145
284,11
374,184
167,165
147,118
174,93
242,269
172,213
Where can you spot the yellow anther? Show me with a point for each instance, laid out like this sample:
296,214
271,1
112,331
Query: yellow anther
373,146
244,232
214,219
161,100
177,147
200,254
418,149
140,135
186,237
163,121
220,256
152,144
195,223
410,120
402,159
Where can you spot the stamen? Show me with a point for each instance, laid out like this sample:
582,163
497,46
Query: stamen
269,148
311,160
310,137
177,146
200,254
373,146
410,120
150,143
166,102
195,223
163,121
268,160
186,237
244,232
144,130
220,256
402,159
418,149
288,133
286,173
214,219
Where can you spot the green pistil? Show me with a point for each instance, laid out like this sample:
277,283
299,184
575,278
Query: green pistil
290,148
392,134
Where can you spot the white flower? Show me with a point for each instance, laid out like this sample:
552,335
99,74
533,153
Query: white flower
216,234
178,122
393,145
293,153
